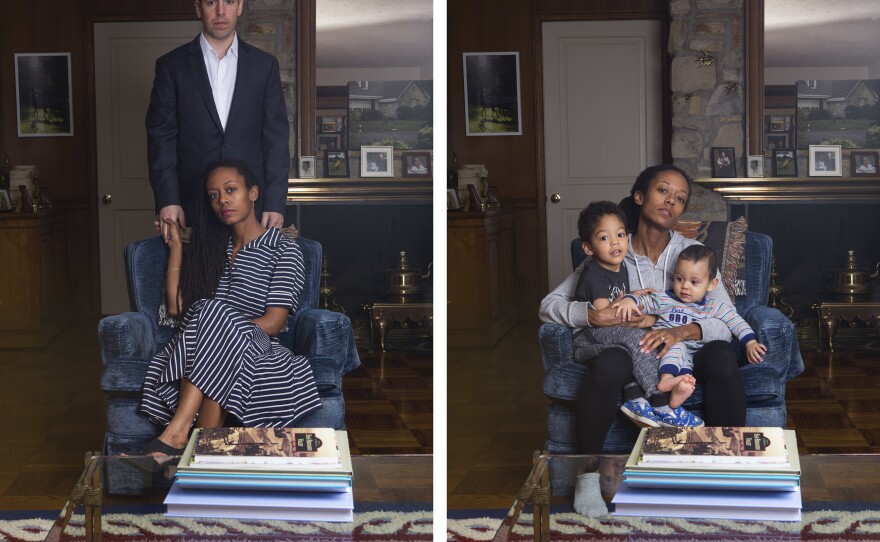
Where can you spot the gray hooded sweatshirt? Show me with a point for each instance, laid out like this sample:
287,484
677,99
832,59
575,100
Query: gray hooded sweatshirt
560,307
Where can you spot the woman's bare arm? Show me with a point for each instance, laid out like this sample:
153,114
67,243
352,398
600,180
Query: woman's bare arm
273,320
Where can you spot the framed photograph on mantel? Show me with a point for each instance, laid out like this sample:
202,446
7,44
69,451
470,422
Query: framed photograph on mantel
336,164
784,163
755,165
377,161
864,163
825,161
723,162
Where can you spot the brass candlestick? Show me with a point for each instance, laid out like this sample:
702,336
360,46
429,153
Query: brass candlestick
327,290
776,300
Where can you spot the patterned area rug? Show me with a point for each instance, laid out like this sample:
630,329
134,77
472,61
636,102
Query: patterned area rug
822,522
373,526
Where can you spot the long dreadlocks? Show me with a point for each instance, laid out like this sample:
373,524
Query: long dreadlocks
205,258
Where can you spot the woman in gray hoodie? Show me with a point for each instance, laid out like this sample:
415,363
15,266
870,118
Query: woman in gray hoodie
657,200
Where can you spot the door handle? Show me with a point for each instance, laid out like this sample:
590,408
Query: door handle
555,198
107,199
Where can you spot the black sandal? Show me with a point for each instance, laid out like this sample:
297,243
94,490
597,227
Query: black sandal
150,464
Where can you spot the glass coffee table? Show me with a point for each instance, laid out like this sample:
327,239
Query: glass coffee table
551,482
116,481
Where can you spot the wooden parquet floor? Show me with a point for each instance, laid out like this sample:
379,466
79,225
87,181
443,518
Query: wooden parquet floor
53,412
496,412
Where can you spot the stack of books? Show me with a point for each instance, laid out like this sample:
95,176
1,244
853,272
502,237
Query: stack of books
712,472
264,473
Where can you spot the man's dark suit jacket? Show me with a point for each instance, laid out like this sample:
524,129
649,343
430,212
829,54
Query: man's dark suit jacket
184,133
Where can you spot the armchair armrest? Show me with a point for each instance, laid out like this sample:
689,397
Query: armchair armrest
319,332
556,345
776,332
126,335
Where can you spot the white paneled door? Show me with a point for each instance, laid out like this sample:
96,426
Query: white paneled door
602,119
125,57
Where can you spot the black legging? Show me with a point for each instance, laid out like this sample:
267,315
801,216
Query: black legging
715,368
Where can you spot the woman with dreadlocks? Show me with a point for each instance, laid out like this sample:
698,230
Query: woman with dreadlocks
233,291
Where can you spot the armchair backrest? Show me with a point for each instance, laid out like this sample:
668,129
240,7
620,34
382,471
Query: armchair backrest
759,250
146,260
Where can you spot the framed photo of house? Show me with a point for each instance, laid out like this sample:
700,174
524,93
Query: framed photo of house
453,203
784,163
723,162
329,142
824,161
416,164
396,113
377,161
5,202
307,167
43,94
336,164
755,165
492,94
864,163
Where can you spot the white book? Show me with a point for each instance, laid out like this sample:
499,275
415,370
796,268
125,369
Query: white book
287,505
716,504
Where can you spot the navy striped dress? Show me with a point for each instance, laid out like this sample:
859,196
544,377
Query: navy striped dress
229,358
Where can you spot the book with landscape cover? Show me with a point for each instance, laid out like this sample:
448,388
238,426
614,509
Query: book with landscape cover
326,471
791,467
261,445
714,445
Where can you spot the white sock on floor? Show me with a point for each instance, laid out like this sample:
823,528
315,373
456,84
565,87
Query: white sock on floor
588,496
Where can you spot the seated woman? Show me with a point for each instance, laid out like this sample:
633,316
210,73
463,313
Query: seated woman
238,283
657,200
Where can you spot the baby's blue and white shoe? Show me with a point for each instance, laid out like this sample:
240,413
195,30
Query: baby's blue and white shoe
640,413
677,417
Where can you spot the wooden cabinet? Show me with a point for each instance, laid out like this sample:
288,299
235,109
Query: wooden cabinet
34,296
481,277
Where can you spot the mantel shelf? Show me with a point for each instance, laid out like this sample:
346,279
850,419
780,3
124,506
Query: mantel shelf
864,189
371,191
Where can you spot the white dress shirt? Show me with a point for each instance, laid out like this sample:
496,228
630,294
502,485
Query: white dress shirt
221,75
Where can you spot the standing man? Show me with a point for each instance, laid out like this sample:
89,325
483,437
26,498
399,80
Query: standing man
216,97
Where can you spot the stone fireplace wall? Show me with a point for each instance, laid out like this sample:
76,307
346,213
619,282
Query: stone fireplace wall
270,25
707,99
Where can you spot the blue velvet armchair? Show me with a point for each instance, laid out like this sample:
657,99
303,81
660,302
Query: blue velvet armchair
129,340
764,382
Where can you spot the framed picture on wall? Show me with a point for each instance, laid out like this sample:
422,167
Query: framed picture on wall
336,164
329,142
825,161
776,141
492,94
784,163
864,163
43,94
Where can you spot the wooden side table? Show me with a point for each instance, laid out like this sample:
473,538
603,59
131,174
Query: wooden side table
382,314
830,313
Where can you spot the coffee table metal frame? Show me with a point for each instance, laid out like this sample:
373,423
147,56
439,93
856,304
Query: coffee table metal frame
824,477
375,481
